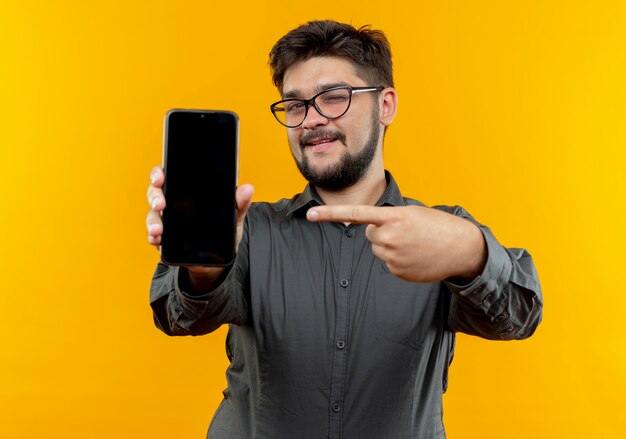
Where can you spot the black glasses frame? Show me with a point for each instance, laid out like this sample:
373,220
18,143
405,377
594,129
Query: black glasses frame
308,102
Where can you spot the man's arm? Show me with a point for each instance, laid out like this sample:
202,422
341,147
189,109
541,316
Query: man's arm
196,300
504,302
495,291
179,311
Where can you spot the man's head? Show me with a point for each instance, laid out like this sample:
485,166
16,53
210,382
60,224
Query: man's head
334,149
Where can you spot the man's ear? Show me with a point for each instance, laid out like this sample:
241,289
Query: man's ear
389,106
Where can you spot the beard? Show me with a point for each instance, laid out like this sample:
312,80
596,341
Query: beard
350,168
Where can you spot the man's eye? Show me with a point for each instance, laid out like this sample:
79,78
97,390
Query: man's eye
335,98
293,107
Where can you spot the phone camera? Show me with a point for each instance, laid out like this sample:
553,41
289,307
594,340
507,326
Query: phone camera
202,116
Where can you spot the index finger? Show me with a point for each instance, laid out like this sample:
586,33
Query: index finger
349,214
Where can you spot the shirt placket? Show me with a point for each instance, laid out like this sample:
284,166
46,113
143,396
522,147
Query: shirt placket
340,349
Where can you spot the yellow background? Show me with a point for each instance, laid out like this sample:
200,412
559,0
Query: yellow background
515,110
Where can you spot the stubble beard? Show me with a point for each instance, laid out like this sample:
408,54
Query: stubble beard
349,169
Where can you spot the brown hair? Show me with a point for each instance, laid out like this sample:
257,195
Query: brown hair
367,48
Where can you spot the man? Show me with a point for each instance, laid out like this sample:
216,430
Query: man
343,301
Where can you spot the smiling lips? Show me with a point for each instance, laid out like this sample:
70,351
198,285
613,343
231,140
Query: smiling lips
322,140
320,144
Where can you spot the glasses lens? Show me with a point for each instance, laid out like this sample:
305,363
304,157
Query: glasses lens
334,103
289,112
331,104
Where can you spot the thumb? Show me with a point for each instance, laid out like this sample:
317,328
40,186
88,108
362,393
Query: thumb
244,199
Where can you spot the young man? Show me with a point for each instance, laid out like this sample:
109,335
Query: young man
343,301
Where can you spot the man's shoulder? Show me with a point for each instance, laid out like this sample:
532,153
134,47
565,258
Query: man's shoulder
412,202
454,210
275,211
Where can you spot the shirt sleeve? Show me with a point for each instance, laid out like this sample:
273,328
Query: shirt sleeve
504,302
178,312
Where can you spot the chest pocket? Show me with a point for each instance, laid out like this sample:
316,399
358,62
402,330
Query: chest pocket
405,312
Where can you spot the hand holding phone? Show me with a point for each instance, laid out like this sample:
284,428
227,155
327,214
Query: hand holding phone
198,275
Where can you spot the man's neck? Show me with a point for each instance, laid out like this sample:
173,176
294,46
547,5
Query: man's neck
367,191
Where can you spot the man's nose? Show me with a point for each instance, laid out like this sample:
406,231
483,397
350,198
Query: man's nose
313,118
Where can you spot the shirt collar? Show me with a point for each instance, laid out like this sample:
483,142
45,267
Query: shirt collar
309,197
392,195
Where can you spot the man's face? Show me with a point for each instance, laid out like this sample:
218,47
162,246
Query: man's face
332,154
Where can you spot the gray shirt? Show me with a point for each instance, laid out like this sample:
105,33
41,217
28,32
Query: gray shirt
324,342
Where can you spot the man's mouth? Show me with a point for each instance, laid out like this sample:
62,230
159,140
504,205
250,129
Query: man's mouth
319,145
320,141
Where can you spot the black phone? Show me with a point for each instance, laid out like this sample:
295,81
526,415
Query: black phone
200,156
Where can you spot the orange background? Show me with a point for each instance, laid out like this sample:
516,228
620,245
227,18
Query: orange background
515,110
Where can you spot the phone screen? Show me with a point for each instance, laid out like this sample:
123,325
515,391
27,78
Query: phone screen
200,165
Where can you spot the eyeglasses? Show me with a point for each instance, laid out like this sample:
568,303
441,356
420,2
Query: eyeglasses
331,104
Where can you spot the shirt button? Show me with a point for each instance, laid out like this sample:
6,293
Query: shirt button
348,232
344,282
336,407
341,344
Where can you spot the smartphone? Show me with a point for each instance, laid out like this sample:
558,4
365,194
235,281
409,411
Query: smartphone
200,157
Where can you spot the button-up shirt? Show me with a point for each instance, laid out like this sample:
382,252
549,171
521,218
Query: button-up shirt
325,342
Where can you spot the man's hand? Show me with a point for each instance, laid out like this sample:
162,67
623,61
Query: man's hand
418,244
200,277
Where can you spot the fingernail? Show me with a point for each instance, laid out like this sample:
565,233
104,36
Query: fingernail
312,214
155,201
151,229
153,177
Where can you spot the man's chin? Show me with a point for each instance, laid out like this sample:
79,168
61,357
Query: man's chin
316,175
321,166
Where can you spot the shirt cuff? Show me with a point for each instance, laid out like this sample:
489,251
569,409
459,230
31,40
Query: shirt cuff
196,303
487,287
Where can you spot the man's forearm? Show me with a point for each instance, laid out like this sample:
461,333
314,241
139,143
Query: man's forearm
179,312
472,256
198,281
